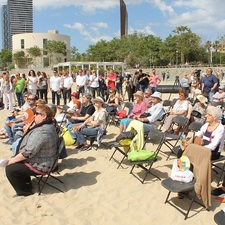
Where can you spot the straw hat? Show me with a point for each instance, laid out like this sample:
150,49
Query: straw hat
98,99
139,93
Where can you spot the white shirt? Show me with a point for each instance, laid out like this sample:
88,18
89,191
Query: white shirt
55,83
31,82
81,80
67,82
94,81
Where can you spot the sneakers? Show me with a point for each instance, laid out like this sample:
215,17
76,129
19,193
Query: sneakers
7,142
86,148
217,191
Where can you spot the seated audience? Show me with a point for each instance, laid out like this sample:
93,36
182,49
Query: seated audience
201,107
138,109
156,112
212,132
112,102
147,97
180,108
35,154
219,96
92,126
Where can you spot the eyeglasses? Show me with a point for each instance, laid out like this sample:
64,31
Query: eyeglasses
37,113
30,99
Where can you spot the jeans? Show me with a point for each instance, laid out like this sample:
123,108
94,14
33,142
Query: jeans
19,97
43,94
80,134
58,96
66,94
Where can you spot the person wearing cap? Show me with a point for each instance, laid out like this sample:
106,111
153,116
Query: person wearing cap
67,85
87,110
220,95
92,126
152,114
201,107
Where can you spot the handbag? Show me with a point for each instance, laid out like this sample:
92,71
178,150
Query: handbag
141,155
144,115
198,141
196,114
68,139
122,113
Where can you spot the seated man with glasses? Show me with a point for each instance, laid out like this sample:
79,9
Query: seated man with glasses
35,153
11,128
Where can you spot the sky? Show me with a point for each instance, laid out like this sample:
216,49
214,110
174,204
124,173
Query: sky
88,21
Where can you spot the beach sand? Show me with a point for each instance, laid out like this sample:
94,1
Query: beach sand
97,193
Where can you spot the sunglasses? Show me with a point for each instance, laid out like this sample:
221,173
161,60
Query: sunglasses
30,99
37,113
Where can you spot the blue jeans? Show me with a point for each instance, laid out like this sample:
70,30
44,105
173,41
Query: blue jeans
19,96
80,135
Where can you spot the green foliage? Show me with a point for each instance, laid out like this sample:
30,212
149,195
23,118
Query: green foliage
34,51
5,58
20,58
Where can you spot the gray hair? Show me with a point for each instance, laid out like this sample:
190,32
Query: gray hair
216,111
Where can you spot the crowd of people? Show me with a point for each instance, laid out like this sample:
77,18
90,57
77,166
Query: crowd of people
85,113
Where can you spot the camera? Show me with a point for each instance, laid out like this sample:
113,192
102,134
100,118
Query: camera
197,72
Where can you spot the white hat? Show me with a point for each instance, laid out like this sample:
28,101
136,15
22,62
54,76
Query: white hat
157,95
221,86
98,99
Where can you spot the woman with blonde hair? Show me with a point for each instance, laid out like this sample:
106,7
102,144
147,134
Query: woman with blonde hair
6,89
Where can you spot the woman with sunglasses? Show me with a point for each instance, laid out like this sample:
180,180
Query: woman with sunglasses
35,154
112,101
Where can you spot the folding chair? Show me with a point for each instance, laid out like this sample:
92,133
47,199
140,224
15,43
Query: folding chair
219,218
97,138
181,122
198,160
43,178
123,149
154,137
221,168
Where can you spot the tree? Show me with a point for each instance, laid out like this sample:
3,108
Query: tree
19,58
34,52
5,58
55,49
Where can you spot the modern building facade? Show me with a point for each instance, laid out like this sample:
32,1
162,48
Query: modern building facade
17,18
22,42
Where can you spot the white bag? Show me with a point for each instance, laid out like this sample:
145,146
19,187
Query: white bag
185,176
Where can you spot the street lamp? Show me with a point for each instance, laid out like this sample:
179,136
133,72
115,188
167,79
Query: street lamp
176,58
211,50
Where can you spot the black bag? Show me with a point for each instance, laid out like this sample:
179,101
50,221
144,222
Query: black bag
196,114
144,115
125,138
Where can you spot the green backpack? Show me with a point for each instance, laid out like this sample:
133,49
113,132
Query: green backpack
141,155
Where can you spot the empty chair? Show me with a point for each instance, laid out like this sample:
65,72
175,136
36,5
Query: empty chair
154,137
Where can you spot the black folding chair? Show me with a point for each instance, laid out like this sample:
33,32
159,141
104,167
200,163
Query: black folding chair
43,178
215,163
154,137
172,140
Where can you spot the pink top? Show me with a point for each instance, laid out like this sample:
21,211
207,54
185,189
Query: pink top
139,109
111,84
153,80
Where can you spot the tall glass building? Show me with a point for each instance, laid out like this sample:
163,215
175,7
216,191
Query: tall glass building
17,18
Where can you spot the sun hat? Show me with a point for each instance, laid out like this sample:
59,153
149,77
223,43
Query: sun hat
75,94
202,98
221,86
157,95
139,93
98,99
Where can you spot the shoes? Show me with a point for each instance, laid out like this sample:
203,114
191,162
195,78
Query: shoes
7,143
79,146
86,148
217,191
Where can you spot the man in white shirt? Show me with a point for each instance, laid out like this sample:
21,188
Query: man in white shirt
67,85
94,84
56,87
81,82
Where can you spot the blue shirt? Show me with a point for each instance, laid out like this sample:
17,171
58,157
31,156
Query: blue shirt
208,82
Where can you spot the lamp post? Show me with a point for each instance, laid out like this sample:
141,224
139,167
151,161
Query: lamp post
211,50
176,58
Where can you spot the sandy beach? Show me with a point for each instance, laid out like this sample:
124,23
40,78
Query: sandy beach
97,193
